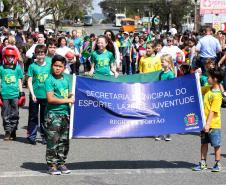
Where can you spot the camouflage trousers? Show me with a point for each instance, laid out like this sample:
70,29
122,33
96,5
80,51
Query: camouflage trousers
56,128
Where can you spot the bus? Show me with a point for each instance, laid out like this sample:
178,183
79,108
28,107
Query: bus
128,25
118,19
88,20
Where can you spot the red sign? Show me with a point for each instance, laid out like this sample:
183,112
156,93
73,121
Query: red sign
224,27
212,6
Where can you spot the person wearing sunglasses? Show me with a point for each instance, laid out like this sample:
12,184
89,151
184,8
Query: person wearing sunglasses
172,50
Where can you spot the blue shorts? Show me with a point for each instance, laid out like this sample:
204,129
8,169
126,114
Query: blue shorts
213,137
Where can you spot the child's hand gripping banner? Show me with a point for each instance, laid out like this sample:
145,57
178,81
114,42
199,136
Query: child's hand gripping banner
105,109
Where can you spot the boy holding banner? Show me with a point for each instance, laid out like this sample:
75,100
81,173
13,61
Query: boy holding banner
102,59
212,130
58,88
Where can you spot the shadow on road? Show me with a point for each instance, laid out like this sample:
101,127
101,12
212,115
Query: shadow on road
113,165
222,155
191,133
18,139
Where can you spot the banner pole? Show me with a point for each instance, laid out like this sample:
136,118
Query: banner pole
200,98
71,128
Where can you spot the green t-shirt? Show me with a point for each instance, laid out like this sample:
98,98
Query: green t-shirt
61,88
166,75
39,74
48,59
204,80
9,82
102,61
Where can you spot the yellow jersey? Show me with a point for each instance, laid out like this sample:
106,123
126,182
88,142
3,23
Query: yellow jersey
118,44
212,102
150,64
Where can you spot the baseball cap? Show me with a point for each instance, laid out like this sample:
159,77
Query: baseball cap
126,32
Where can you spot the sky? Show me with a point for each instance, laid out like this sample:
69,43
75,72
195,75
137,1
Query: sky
97,9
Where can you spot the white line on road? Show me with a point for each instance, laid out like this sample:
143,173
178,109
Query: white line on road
96,172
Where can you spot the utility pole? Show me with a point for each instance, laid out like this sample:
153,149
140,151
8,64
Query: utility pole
196,17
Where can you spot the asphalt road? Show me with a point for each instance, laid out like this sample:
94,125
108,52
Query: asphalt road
138,161
97,29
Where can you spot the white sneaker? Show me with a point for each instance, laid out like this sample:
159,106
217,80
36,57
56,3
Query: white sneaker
168,138
158,138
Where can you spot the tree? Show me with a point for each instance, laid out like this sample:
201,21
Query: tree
6,8
38,9
69,9
34,9
177,8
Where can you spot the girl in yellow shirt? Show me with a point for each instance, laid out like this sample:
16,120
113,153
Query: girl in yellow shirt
150,62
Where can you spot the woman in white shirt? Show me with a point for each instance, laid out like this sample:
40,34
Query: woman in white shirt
173,51
62,47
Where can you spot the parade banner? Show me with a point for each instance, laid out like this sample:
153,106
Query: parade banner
212,6
105,109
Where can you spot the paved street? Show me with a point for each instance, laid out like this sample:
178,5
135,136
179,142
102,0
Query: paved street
179,37
97,29
140,161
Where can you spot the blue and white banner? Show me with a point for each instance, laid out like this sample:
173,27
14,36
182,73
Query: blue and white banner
104,109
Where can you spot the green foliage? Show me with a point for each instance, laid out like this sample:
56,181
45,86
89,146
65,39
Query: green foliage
37,9
178,9
6,8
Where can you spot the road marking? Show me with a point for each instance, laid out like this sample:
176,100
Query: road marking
96,172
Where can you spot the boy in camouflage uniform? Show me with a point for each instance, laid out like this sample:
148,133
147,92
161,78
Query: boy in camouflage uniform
58,87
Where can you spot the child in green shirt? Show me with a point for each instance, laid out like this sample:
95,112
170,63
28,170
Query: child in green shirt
11,77
37,74
58,88
166,74
102,59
